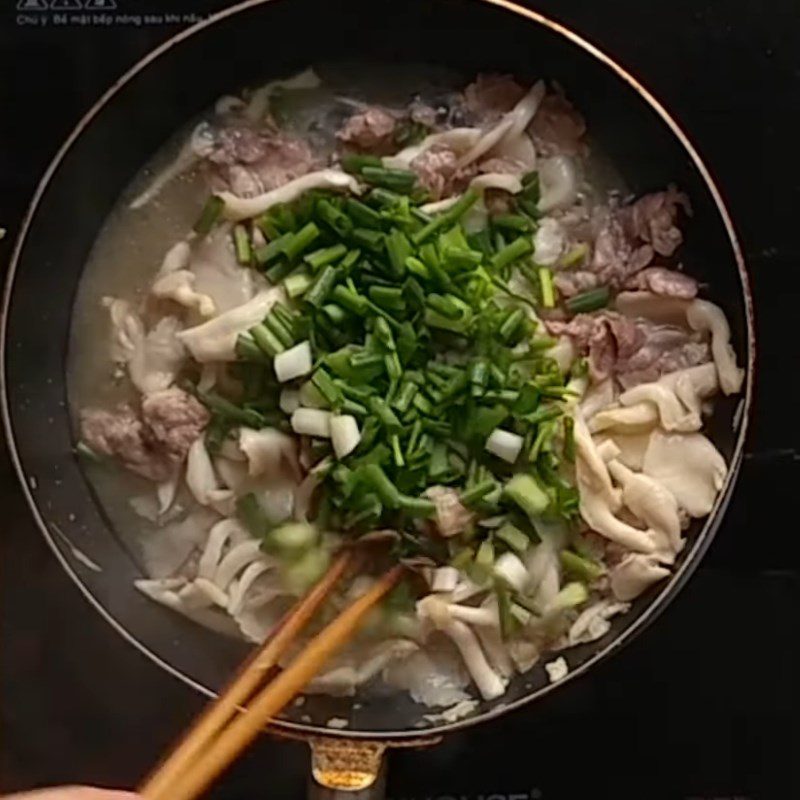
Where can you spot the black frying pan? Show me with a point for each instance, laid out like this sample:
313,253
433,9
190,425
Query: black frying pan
241,46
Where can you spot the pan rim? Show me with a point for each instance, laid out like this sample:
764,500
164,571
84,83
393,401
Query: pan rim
657,604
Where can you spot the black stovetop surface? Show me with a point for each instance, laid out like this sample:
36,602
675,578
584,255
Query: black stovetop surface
704,704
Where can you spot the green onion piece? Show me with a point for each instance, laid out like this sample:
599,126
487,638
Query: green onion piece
524,491
585,569
397,180
589,301
370,239
231,412
301,240
209,215
514,222
513,537
375,478
417,267
355,162
569,439
384,333
350,300
271,250
327,255
511,325
279,329
385,415
327,388
362,215
405,395
278,271
393,367
433,319
336,314
547,287
349,261
448,218
508,623
252,515
445,305
297,284
335,219
322,286
574,256
266,340
458,258
484,562
388,297
511,252
248,350
462,559
477,492
241,242
398,249
397,452
478,377
417,506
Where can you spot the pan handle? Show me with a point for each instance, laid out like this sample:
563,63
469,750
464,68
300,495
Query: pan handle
347,769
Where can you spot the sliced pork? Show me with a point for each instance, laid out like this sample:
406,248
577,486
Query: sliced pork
632,350
250,161
150,443
370,131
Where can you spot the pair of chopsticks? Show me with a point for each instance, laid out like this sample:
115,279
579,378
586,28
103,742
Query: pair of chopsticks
225,729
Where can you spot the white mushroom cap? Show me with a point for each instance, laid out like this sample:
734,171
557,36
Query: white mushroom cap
705,316
634,574
689,466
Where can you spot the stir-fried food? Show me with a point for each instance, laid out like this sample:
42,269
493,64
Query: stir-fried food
432,335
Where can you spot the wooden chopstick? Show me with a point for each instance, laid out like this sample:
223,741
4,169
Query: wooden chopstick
211,747
252,673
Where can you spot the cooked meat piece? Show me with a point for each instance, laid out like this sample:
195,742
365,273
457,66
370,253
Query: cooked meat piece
491,95
436,170
452,517
652,219
250,161
632,350
173,419
666,349
664,282
369,131
120,434
423,114
151,444
572,282
616,256
557,128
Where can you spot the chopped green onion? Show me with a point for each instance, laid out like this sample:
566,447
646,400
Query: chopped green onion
397,180
524,491
322,286
355,162
338,221
301,241
581,567
592,300
513,537
297,284
325,256
547,287
241,241
511,252
209,215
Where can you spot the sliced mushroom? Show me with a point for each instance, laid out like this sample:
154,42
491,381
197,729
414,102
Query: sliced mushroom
705,316
689,466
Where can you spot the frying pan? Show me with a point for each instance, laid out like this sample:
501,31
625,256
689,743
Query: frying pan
257,40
